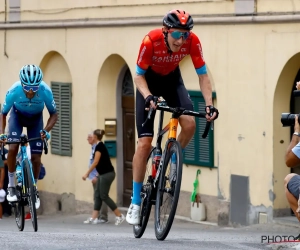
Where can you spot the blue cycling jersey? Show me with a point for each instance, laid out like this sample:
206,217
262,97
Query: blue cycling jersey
16,97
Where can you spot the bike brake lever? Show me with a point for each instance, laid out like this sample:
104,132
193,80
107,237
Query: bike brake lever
45,146
155,99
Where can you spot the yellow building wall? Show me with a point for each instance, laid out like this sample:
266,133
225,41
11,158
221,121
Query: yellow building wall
244,61
69,9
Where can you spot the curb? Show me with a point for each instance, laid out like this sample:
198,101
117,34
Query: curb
182,218
286,223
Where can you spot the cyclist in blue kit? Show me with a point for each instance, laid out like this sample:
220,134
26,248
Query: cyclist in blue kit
25,100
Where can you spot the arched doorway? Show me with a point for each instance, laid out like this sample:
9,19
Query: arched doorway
128,121
284,102
58,76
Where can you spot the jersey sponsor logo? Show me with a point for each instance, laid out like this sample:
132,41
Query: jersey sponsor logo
156,44
53,104
30,103
172,58
141,54
200,50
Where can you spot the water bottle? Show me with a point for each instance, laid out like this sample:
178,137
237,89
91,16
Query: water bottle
19,174
155,161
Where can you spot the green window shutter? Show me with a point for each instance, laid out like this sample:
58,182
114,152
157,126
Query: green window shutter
61,134
55,136
200,152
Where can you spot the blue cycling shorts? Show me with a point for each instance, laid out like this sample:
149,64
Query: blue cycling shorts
34,125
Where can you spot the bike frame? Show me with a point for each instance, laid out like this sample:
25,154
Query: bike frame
173,124
24,157
171,136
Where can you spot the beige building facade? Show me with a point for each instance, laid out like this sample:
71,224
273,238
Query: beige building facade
88,52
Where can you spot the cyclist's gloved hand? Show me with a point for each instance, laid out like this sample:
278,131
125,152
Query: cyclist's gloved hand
45,134
210,110
3,137
148,99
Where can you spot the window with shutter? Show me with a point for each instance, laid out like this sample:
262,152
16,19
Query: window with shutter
199,151
61,133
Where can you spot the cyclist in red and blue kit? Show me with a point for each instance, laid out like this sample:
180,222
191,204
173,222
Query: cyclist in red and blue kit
158,74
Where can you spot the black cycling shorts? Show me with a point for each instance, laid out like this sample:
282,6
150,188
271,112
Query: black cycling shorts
171,88
294,186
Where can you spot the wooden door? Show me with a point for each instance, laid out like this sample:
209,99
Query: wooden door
128,136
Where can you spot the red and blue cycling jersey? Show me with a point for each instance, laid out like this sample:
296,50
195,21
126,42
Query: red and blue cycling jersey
154,53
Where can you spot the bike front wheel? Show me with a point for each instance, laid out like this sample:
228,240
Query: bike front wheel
31,196
19,210
168,190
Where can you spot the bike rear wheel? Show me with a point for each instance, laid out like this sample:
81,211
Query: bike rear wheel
30,194
168,190
146,193
19,210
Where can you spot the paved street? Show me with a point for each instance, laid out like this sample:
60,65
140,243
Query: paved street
68,232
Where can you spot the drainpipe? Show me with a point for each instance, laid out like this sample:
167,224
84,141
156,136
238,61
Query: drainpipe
150,21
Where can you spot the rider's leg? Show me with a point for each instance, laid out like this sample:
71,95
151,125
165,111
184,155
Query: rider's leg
36,148
15,128
11,163
145,135
179,97
188,126
187,123
139,167
36,164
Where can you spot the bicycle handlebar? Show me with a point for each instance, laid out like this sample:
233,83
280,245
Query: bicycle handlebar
180,111
25,141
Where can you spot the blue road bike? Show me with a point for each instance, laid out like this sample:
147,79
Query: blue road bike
26,190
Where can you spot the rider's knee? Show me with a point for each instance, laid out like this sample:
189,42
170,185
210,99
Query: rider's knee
188,124
35,158
288,178
13,149
144,145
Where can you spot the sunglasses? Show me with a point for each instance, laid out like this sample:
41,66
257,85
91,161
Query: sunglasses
28,88
177,34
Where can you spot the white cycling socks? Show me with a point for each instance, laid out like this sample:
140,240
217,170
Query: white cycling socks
11,179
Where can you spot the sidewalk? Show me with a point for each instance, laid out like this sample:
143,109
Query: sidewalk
287,221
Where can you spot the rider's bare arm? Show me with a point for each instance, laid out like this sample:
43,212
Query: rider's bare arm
206,88
51,121
141,85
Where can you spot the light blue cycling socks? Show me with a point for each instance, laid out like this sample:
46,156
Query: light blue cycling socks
174,158
136,197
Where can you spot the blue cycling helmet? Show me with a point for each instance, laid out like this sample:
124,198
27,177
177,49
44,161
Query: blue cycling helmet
31,75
